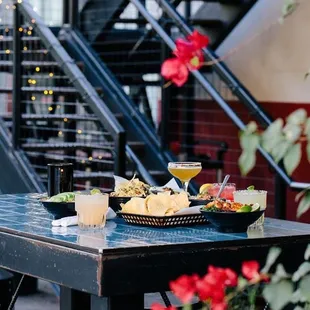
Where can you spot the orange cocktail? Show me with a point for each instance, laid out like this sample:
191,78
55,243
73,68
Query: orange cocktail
184,171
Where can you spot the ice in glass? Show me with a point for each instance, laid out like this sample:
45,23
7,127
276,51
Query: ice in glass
91,210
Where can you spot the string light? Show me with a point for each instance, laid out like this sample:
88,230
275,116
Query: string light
50,92
45,52
50,108
79,131
34,82
30,81
20,29
29,33
58,107
83,161
59,133
30,28
90,158
25,48
65,119
51,74
37,69
1,37
19,1
7,51
7,7
33,21
33,98
7,29
100,157
45,92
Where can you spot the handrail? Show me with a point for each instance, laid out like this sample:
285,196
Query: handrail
209,88
88,93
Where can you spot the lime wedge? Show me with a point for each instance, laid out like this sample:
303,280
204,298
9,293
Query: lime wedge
255,207
245,209
95,191
251,188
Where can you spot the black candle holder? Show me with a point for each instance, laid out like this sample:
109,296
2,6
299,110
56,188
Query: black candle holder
60,178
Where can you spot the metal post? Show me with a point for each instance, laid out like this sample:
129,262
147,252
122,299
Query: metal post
280,198
17,79
166,98
65,12
73,13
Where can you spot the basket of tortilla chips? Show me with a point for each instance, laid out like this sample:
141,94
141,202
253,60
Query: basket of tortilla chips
161,210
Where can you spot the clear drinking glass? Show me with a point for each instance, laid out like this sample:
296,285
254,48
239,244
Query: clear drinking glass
252,197
184,171
91,210
227,193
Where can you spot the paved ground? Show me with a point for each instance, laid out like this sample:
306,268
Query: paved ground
46,299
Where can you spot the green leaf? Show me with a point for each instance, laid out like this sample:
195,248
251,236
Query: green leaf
304,286
247,161
273,135
307,129
242,283
292,158
249,142
302,270
251,127
279,151
298,117
280,274
292,132
308,151
289,7
297,297
278,294
271,258
304,204
307,252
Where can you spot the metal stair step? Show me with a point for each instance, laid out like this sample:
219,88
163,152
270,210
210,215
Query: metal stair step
44,65
50,90
57,117
77,145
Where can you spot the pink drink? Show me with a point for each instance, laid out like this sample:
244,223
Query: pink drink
227,192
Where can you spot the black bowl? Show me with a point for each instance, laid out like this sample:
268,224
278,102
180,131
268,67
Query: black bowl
115,202
232,222
198,202
59,209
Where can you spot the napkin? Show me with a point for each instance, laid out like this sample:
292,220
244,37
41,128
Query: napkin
191,210
73,220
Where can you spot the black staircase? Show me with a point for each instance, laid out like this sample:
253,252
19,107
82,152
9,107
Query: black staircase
50,110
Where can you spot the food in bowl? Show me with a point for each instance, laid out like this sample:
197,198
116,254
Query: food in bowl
132,188
220,205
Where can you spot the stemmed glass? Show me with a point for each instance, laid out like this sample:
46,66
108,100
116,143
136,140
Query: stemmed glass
184,171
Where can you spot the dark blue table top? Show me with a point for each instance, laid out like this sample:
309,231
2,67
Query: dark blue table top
24,215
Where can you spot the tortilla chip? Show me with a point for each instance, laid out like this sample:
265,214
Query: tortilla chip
157,205
135,205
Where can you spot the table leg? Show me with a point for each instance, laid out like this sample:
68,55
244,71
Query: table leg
71,299
131,302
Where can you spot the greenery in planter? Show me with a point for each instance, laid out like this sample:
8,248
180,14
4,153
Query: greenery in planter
224,289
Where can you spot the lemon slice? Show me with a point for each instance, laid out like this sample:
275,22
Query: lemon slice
245,209
204,188
95,191
255,207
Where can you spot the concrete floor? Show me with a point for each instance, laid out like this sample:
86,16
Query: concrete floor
46,299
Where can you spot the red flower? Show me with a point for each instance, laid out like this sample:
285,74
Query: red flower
250,270
184,287
219,306
157,306
199,40
225,275
188,57
176,71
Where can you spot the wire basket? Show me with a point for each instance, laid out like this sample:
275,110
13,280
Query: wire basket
163,221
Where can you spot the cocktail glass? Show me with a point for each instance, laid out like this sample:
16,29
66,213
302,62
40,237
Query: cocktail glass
91,210
184,171
227,193
252,197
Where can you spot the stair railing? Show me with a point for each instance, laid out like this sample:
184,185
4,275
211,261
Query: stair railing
85,89
282,179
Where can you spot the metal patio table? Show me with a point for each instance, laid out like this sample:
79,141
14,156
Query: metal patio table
114,267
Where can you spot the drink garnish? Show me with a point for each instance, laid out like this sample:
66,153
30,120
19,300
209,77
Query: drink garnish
95,191
245,209
251,188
